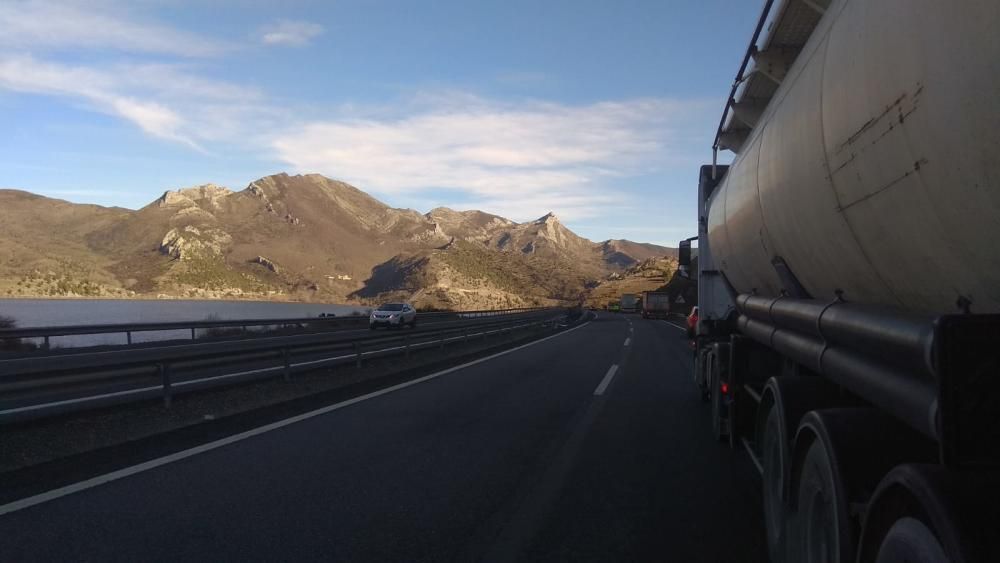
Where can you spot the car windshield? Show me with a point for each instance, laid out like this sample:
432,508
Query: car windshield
391,307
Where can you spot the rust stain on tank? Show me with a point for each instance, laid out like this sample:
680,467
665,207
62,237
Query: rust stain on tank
916,168
902,111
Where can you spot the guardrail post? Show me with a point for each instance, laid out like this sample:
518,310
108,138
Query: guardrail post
286,357
192,333
46,342
128,337
357,353
164,370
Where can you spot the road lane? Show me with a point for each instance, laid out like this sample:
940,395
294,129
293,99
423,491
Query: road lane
516,455
650,483
404,476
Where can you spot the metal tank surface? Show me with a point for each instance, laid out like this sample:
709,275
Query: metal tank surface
875,168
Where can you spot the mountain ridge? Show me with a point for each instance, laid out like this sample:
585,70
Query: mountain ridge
302,237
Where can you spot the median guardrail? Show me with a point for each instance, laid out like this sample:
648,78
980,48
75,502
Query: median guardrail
47,385
318,323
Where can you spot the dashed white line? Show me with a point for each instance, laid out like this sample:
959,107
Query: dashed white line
607,380
675,326
628,341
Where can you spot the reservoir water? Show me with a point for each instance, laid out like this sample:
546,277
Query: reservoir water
61,312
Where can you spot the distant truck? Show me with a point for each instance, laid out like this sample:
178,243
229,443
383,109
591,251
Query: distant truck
629,302
655,304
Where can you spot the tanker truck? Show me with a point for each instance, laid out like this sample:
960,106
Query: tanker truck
849,278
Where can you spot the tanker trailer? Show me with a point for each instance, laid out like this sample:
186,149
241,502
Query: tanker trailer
849,277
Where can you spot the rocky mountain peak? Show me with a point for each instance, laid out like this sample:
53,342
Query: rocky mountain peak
548,218
204,194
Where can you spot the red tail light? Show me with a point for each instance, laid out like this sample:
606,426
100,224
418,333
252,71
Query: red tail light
725,388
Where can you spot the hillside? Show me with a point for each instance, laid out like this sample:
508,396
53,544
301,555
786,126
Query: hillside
296,237
651,274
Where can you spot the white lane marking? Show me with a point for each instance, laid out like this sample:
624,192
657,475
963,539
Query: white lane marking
154,463
675,326
628,341
601,387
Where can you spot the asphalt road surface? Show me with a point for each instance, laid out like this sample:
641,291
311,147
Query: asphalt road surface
592,445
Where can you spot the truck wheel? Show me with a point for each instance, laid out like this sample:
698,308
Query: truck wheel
774,454
925,512
702,365
715,391
722,425
819,525
910,541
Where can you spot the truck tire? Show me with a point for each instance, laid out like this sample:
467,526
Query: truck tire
819,527
774,458
926,512
718,407
840,454
785,401
701,369
910,541
721,413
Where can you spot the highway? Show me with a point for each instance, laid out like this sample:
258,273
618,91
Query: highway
591,445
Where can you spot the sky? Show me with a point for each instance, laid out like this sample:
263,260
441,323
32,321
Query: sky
598,111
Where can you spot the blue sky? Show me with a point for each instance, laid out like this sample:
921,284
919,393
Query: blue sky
597,111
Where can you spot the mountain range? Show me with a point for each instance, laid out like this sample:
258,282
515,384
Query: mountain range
303,237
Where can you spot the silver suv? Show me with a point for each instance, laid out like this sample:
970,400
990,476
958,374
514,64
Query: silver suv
393,315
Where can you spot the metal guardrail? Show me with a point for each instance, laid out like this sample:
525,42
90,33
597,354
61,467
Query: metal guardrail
129,328
32,388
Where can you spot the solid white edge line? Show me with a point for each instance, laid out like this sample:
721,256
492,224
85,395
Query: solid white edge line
628,341
675,326
603,385
154,463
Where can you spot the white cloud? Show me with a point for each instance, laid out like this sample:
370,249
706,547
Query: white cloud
35,24
291,33
509,158
162,100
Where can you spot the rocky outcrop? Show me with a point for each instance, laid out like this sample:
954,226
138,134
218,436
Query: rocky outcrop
190,241
205,195
269,264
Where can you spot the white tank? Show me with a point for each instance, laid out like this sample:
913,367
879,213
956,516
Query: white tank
875,169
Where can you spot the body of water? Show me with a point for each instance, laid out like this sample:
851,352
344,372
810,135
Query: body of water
61,312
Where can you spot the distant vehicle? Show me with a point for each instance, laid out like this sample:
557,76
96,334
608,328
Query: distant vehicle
692,322
629,302
655,304
614,307
393,315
